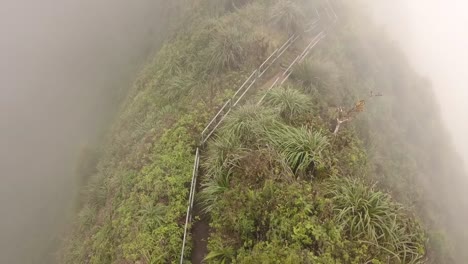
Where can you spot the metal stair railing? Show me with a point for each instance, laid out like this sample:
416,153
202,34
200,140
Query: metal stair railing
193,185
239,94
244,88
217,120
299,59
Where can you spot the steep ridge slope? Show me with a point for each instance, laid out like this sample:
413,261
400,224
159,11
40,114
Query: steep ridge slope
134,209
281,187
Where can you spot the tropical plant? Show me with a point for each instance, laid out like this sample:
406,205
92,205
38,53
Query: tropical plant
301,148
372,218
249,121
226,49
291,103
96,191
155,213
317,72
222,256
303,73
287,16
224,154
86,217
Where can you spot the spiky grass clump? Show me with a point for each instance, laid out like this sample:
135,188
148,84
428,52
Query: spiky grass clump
288,16
224,154
86,217
371,217
303,73
291,103
155,213
226,49
224,255
316,72
301,148
248,122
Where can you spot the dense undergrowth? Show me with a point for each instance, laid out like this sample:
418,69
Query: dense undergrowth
281,188
134,206
278,185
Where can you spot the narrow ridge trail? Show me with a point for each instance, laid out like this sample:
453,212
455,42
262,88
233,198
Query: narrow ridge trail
200,229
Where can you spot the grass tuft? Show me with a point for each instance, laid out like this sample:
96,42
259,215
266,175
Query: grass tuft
291,103
301,148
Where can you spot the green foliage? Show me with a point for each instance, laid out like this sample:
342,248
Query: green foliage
248,122
302,149
227,49
135,203
291,103
372,216
223,257
321,76
288,16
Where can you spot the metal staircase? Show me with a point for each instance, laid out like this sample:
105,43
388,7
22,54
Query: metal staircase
289,56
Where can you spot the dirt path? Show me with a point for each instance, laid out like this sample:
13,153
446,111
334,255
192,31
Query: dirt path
200,232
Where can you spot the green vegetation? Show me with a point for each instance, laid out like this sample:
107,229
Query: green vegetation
290,102
277,184
275,195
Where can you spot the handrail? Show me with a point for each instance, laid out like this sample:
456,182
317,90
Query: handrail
191,198
307,53
216,116
246,81
207,132
271,87
291,40
250,81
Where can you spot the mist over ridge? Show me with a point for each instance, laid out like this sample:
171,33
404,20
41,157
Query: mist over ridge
63,67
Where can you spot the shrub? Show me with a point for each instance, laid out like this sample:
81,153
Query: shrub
291,103
371,217
225,255
248,122
226,49
302,73
301,148
287,16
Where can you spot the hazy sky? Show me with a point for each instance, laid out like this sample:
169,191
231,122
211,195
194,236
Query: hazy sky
60,61
434,35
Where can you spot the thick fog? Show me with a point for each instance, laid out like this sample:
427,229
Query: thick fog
434,35
63,64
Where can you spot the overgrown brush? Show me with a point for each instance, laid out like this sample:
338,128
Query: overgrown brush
227,49
288,16
248,122
291,103
316,72
301,148
372,218
224,154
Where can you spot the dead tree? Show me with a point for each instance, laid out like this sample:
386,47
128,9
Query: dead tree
346,116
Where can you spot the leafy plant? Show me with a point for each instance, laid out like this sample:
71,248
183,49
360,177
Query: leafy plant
224,154
223,256
156,214
301,148
287,16
373,218
248,122
303,73
226,49
87,216
291,103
